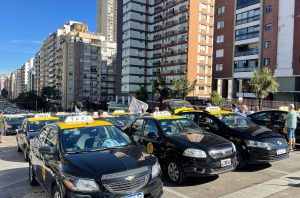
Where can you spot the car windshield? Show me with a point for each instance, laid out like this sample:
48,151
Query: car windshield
176,126
234,120
36,126
116,121
89,139
178,104
127,118
14,119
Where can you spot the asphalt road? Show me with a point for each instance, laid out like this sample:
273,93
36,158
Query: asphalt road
281,179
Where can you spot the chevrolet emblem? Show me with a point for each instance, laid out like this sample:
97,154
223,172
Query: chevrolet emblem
130,178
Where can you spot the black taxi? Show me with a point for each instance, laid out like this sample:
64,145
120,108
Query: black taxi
29,129
81,157
182,147
254,143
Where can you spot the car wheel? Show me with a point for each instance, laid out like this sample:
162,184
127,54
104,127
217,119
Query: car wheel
26,154
31,174
240,159
18,146
56,193
175,172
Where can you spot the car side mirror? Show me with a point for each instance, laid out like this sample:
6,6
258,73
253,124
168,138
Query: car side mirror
152,135
46,150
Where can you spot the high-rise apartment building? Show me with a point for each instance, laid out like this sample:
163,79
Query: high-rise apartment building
107,19
252,34
172,39
3,78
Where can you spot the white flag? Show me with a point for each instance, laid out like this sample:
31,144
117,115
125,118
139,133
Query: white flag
137,106
77,111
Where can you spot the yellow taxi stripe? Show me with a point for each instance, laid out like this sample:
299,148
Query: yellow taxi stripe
72,125
42,119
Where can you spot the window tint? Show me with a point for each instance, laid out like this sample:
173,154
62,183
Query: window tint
137,127
150,127
52,137
279,116
263,116
205,121
43,135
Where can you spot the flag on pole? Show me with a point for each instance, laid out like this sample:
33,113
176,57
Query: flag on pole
137,106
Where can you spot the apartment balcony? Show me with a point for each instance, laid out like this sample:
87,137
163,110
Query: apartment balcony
246,53
246,36
245,69
242,3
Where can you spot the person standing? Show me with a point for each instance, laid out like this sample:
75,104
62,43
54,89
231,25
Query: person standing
234,108
291,125
3,126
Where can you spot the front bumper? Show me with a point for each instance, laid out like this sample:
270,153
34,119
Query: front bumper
154,189
258,155
197,168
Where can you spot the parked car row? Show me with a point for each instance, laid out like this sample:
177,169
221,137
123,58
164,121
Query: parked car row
79,156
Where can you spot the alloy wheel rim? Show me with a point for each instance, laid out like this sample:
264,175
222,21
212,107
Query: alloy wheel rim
173,171
57,195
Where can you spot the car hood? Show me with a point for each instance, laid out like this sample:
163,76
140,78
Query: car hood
205,141
256,132
15,123
96,164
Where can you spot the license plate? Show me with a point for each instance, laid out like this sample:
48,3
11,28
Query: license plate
137,195
281,151
225,162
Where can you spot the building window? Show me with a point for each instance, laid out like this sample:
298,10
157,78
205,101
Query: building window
221,10
268,44
267,61
268,27
219,67
220,53
220,39
268,9
201,88
220,24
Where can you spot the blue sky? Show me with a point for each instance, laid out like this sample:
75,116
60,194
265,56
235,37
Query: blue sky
24,24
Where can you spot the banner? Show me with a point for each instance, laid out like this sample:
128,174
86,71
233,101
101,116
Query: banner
137,106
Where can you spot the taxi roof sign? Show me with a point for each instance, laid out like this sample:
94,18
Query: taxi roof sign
161,113
74,119
214,108
42,115
119,111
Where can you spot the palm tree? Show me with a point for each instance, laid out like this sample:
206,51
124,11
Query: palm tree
142,94
160,89
263,83
183,87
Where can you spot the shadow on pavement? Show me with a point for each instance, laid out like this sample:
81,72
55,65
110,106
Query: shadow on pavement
11,154
254,167
192,181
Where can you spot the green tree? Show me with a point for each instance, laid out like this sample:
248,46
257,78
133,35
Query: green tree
262,84
183,87
142,94
4,93
216,99
50,96
160,89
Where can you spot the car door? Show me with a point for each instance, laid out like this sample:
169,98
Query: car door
209,123
263,118
152,138
21,135
137,130
38,162
48,160
279,121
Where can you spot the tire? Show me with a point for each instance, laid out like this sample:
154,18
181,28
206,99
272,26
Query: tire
19,149
241,159
175,172
56,192
25,154
31,176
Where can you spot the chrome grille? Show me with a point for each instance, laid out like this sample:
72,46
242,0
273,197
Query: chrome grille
221,153
126,182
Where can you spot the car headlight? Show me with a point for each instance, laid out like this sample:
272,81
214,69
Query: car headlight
256,144
196,153
155,170
80,184
233,147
